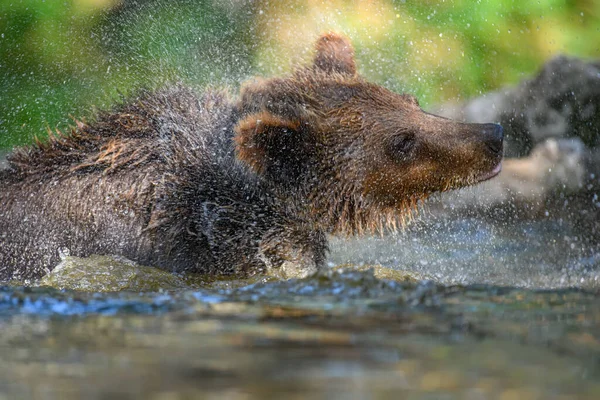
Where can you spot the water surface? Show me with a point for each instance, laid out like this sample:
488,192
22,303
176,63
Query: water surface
502,318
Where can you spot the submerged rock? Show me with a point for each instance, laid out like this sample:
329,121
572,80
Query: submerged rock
109,274
98,273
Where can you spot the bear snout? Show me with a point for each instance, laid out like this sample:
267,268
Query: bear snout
493,135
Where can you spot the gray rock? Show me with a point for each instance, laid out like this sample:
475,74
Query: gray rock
552,145
563,100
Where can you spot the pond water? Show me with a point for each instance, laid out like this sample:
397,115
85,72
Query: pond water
504,317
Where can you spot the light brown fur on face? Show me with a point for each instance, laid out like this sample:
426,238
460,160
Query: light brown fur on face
360,152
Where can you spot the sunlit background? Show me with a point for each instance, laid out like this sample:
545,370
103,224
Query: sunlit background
65,59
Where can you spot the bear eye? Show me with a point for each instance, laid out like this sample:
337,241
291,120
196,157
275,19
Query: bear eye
400,146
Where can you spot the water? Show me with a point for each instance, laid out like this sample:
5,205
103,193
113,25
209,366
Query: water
550,253
483,330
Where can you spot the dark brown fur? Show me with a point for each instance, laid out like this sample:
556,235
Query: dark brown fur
203,184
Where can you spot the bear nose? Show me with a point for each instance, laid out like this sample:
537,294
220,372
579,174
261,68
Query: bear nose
493,135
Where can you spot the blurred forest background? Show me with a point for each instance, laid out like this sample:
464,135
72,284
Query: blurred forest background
63,58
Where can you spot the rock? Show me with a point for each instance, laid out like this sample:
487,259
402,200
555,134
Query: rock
109,274
563,100
552,144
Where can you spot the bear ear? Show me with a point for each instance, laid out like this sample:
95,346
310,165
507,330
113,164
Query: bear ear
272,146
334,53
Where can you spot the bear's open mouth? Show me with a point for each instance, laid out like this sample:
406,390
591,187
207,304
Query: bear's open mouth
489,175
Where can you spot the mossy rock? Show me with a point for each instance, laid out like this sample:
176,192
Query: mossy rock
109,274
112,274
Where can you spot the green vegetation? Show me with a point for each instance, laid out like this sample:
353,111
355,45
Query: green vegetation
62,59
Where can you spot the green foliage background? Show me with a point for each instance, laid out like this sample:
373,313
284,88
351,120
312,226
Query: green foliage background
60,59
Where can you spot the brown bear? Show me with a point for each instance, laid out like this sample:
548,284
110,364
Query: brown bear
202,183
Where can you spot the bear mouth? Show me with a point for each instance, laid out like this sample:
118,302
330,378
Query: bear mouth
490,174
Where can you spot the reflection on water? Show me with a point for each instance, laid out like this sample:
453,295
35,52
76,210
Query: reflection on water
341,335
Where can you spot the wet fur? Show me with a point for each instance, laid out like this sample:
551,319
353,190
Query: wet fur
205,183
156,181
